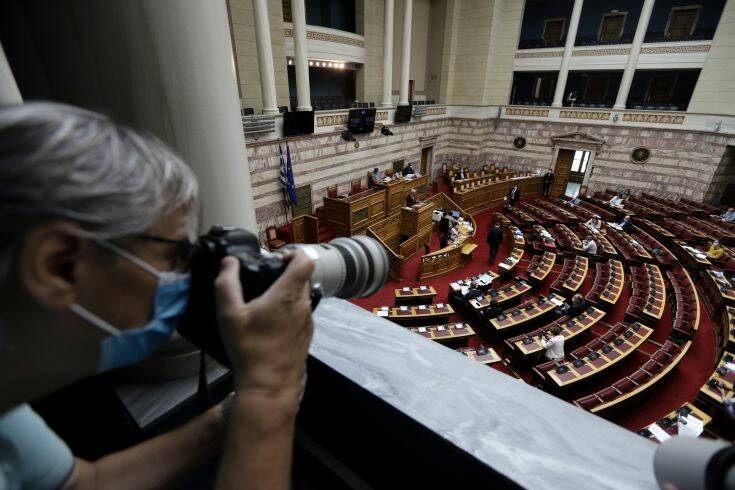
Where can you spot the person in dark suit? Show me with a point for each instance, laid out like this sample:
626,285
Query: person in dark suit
548,180
411,198
626,224
444,240
408,170
461,173
473,292
492,311
514,193
577,306
494,239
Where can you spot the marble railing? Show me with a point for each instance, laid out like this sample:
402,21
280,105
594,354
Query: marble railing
524,434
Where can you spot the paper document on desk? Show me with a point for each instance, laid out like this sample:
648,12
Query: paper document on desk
660,434
485,279
382,313
700,256
693,427
556,301
730,366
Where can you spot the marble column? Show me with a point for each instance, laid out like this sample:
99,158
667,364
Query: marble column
301,55
635,51
265,57
9,93
561,81
405,52
388,55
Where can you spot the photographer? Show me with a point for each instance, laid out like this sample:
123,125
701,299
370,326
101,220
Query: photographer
97,222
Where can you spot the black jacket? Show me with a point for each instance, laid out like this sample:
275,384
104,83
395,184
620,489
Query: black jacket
491,312
548,177
513,196
495,237
410,200
472,294
461,175
574,310
407,171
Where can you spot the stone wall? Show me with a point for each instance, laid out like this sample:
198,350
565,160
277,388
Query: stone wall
723,182
370,19
682,163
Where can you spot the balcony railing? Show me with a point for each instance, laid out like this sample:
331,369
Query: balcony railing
697,35
593,41
539,44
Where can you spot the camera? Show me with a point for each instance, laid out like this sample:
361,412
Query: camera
344,268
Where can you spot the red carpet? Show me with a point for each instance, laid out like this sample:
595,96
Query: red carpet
680,387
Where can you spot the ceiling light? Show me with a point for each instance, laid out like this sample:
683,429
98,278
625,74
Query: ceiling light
311,63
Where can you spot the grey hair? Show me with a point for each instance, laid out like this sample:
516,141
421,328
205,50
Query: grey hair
59,161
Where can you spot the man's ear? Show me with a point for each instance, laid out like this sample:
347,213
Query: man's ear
48,262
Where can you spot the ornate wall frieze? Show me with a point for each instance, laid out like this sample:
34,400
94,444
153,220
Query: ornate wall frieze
601,52
543,54
653,118
591,115
699,48
332,38
517,111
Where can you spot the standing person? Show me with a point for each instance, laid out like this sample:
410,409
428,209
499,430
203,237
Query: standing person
494,239
548,180
514,193
411,198
553,344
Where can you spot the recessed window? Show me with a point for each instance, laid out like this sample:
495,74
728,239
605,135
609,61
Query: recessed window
611,27
682,21
661,88
596,88
553,31
543,87
580,161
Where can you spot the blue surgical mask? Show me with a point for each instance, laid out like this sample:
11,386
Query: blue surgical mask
123,347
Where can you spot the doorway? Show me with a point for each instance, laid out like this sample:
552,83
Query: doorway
580,163
561,172
426,160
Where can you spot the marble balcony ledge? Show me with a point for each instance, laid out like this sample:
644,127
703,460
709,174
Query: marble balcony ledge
531,437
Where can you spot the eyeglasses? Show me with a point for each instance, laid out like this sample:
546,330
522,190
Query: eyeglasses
181,257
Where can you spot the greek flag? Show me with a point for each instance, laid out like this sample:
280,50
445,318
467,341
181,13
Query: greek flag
289,190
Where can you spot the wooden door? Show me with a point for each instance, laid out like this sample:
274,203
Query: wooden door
561,172
426,160
596,90
612,27
553,31
303,201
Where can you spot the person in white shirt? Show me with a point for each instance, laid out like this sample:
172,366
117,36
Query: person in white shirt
453,233
553,343
616,201
594,223
589,245
729,215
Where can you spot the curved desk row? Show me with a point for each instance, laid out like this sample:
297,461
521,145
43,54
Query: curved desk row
486,196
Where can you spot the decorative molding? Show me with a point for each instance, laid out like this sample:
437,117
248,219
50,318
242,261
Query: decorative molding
516,111
653,118
577,138
697,48
341,119
324,36
381,116
592,115
640,155
542,54
519,142
436,111
601,52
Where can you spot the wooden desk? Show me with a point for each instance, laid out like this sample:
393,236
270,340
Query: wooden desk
351,215
416,221
396,190
525,313
505,294
670,423
516,236
572,276
527,345
718,291
690,256
456,287
407,315
546,240
481,178
604,247
568,239
422,295
711,397
728,323
609,355
615,283
445,334
484,355
656,301
540,269
510,262
486,196
655,229
519,216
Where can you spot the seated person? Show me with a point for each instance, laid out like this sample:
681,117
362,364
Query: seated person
616,201
715,250
461,174
408,170
577,307
374,177
492,311
594,223
625,194
553,343
589,245
453,233
473,292
411,198
625,225
729,215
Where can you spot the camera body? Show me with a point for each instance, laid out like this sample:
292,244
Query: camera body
257,273
344,268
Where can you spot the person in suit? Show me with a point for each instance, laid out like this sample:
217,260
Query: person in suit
514,193
577,306
444,240
374,177
626,224
548,180
411,198
492,311
473,292
461,173
494,240
408,170
589,246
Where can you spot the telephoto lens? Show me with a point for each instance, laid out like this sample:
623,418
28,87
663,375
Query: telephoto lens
344,268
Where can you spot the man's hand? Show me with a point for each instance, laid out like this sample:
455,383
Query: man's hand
268,338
